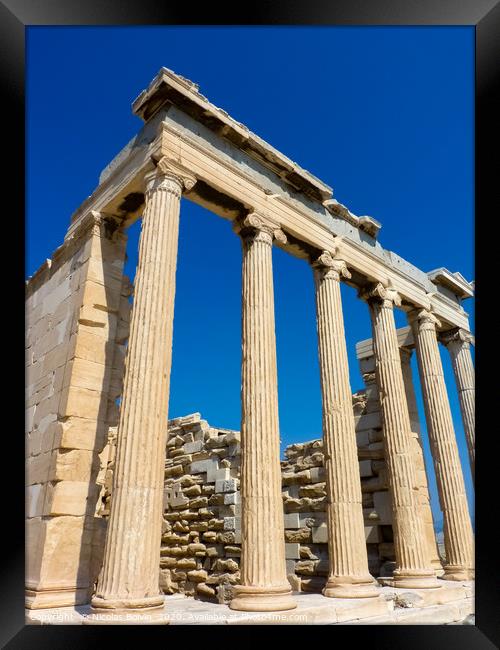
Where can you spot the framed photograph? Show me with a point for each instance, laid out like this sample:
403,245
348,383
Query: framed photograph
250,326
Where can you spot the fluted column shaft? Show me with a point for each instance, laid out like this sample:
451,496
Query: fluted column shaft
458,536
349,576
130,574
413,568
421,485
458,343
264,585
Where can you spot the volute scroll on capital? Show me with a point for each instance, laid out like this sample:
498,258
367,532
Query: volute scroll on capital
424,316
386,295
169,176
257,227
457,335
330,267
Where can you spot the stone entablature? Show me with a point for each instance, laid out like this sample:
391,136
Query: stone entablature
183,126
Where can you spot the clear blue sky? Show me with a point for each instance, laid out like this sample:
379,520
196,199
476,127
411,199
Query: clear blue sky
383,115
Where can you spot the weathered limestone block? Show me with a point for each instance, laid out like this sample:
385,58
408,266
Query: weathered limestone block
175,441
187,563
317,474
172,538
225,565
291,478
306,567
70,498
73,465
292,551
179,576
193,490
301,535
229,485
292,520
53,577
320,534
175,470
194,548
198,502
204,590
197,576
232,551
174,550
314,490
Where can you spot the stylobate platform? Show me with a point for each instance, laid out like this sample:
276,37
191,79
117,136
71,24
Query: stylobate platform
452,603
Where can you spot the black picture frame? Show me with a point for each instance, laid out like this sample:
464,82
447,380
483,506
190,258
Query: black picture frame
15,16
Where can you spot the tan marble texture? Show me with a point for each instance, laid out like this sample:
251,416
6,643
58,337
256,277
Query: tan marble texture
349,576
264,585
413,568
458,535
130,574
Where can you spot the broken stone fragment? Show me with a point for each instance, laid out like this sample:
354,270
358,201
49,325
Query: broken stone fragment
295,536
205,590
408,599
225,565
193,548
187,563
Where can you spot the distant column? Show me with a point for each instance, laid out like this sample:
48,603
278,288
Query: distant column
413,568
421,485
458,535
129,579
264,585
349,576
458,342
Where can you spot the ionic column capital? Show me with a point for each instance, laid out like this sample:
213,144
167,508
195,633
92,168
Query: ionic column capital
329,267
424,317
169,176
258,227
386,296
457,335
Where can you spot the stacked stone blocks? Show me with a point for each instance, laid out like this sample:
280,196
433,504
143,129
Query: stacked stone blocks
202,518
77,311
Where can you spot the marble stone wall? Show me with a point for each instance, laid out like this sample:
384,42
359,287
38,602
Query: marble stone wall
77,311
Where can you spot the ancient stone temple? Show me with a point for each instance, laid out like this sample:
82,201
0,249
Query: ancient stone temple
126,508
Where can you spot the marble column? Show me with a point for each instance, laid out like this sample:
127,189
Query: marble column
458,342
129,578
422,480
264,585
458,535
413,568
349,576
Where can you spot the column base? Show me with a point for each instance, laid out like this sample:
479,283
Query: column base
262,599
437,566
458,573
351,587
63,597
415,580
139,611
